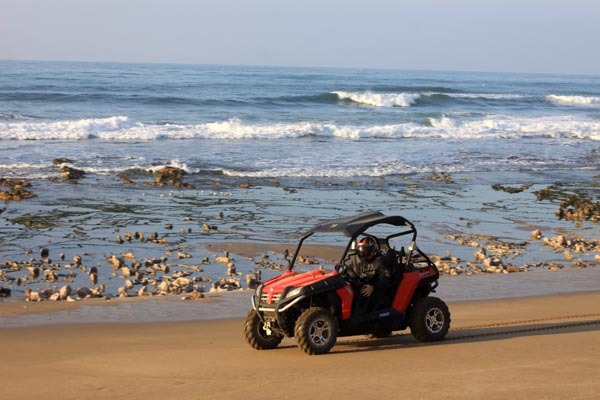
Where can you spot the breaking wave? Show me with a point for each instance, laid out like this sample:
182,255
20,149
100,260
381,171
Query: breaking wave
574,100
69,129
120,128
408,99
380,99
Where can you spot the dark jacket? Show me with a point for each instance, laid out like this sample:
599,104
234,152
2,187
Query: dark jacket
372,272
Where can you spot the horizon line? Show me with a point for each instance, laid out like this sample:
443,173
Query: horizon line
301,66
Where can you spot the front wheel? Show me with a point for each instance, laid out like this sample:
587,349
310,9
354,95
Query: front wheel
316,331
430,319
257,336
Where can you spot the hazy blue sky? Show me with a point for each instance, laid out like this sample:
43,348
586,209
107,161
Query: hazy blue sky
473,35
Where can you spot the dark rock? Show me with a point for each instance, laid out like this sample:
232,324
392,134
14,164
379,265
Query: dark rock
84,292
442,177
71,173
170,176
62,160
16,190
126,179
577,208
509,189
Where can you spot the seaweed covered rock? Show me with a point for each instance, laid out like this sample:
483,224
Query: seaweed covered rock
16,190
510,189
71,173
170,176
577,208
442,177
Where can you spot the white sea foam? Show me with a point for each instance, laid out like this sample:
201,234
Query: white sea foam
317,171
63,130
574,100
174,164
445,127
26,170
381,99
22,166
515,128
448,127
409,99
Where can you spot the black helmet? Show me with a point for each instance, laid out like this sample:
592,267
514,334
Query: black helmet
366,247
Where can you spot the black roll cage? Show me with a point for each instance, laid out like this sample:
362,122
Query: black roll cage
354,226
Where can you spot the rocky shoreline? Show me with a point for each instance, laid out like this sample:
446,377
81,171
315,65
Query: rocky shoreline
168,275
491,251
164,269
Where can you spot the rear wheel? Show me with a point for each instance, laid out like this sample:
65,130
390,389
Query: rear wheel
430,319
316,331
257,336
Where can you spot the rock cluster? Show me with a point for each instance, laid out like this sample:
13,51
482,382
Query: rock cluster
171,176
45,271
569,245
510,189
482,263
147,277
225,285
71,173
16,191
153,277
491,252
65,293
152,238
572,207
266,262
491,244
442,177
577,208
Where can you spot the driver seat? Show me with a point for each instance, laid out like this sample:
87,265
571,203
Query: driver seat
394,262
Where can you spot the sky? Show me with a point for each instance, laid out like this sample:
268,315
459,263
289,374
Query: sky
551,36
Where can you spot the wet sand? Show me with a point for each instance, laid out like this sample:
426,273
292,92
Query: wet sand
179,229
544,347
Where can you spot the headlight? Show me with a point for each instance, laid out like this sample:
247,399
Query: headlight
294,292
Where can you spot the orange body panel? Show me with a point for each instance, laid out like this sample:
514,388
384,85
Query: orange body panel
408,284
347,295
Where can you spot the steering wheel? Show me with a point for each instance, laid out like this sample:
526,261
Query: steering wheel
349,274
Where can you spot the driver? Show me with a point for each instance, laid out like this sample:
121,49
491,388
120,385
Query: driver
371,274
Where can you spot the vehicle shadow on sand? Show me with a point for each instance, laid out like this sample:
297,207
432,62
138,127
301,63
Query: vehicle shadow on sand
463,335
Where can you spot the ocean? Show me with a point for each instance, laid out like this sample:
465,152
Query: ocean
272,150
294,124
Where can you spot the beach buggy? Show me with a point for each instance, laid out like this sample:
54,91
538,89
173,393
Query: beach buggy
316,307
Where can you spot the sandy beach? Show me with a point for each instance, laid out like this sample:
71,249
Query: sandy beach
524,348
118,198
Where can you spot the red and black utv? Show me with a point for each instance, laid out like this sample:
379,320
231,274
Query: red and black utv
317,307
